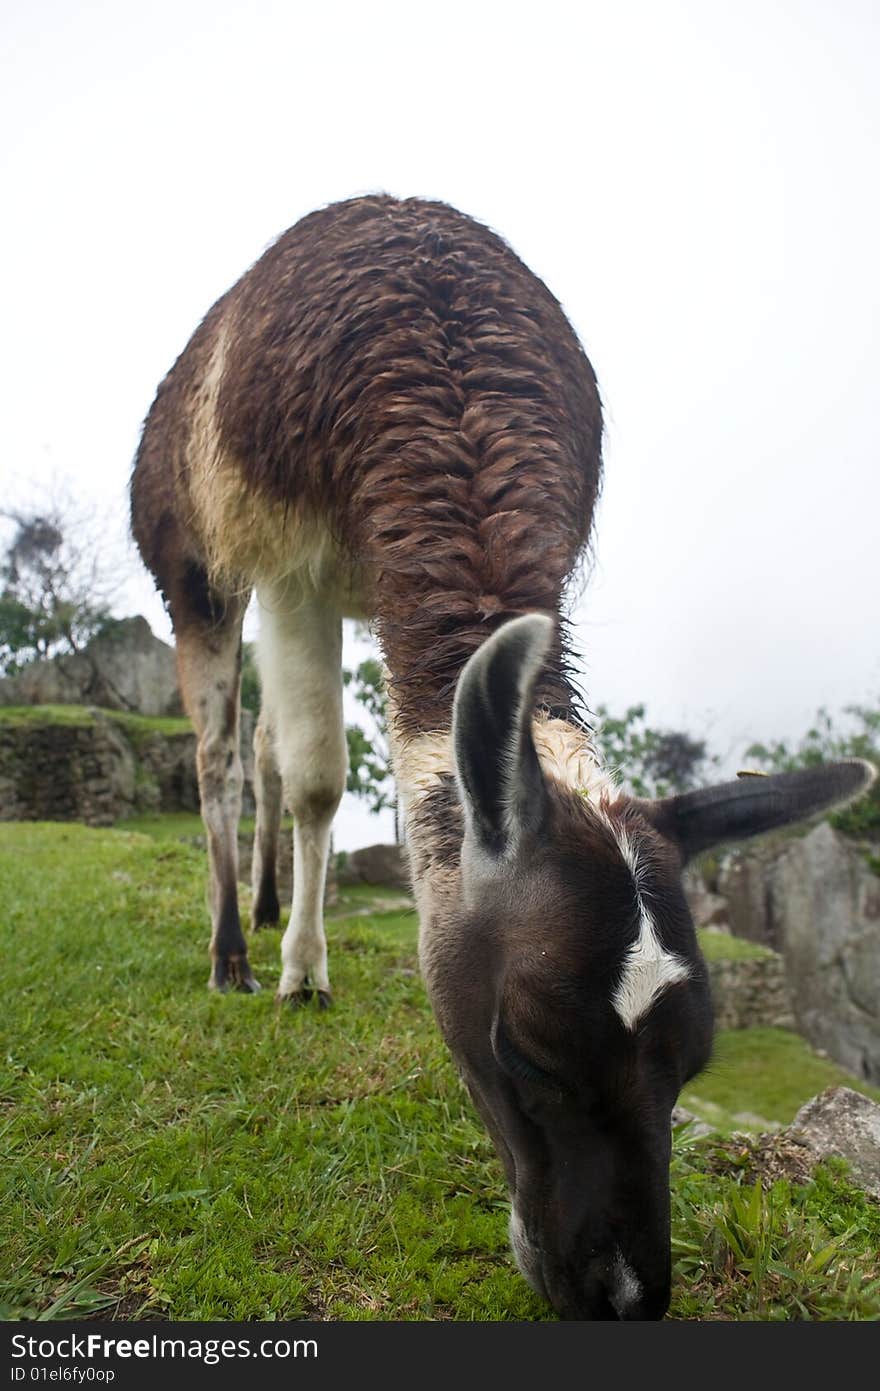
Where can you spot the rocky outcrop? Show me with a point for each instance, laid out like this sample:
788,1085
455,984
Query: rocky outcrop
709,908
743,883
376,864
746,993
816,900
845,1124
125,668
824,904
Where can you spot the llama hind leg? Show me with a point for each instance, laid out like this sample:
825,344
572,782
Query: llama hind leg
300,652
265,908
209,666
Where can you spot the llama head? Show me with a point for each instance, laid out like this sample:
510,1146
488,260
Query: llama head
566,978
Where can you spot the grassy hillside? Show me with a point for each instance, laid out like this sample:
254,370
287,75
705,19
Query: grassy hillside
172,1153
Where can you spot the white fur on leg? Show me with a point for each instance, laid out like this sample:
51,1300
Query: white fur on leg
304,946
300,657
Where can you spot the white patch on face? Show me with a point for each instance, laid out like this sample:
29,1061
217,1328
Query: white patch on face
525,1254
649,968
625,1287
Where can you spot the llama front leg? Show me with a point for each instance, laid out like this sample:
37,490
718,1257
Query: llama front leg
300,652
265,908
304,945
209,666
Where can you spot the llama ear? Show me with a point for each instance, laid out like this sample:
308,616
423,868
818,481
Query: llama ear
499,776
734,810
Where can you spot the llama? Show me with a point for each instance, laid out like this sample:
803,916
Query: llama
389,416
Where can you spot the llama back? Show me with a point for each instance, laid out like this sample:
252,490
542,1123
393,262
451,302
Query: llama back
391,396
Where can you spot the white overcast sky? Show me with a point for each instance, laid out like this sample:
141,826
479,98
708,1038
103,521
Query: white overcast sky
696,182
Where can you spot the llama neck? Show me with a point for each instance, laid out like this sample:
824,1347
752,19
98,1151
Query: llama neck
424,763
423,664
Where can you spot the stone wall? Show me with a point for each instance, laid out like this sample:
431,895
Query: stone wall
751,994
816,900
57,772
97,772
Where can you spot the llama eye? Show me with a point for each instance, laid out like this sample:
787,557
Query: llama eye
518,1067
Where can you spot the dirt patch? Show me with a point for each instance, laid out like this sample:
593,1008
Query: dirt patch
764,1157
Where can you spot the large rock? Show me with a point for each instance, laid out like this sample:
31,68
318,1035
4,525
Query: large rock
838,1123
708,907
743,883
126,668
843,1123
824,901
815,900
377,864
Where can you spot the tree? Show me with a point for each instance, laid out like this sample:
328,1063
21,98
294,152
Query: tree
826,741
54,589
369,749
250,679
653,762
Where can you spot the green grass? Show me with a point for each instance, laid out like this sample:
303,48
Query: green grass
180,825
171,1153
359,898
747,1250
762,1075
137,727
165,826
140,727
720,946
17,716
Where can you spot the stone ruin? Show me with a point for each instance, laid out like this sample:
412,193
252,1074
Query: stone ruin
93,764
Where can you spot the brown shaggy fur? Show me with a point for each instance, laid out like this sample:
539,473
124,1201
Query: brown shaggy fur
392,370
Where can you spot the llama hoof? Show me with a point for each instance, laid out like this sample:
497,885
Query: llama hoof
233,973
264,921
294,998
297,998
249,985
266,912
